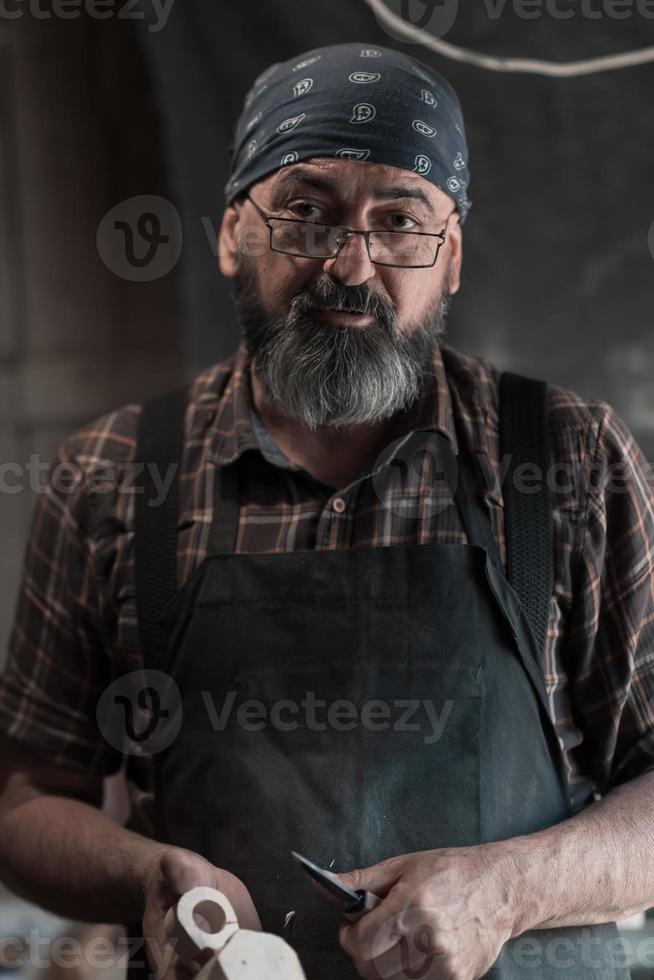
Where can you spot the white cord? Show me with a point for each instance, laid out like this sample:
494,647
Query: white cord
556,70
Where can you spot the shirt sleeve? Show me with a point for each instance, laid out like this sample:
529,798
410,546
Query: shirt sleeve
58,661
613,684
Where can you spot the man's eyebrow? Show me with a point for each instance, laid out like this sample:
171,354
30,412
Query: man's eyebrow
392,192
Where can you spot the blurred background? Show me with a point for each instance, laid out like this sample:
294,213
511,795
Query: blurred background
112,110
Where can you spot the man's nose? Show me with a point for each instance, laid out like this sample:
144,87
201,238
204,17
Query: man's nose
352,266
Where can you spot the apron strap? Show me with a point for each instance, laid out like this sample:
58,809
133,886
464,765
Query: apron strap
524,438
226,509
472,509
160,443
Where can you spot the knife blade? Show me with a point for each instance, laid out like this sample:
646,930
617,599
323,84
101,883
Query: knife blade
354,902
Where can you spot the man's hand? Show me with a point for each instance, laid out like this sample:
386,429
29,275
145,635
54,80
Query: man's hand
167,876
444,915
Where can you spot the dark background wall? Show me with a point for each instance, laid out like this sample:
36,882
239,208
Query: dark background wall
78,133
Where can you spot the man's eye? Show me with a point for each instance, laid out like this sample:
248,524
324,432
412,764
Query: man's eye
302,209
404,227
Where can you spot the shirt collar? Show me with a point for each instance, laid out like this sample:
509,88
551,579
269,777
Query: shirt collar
234,432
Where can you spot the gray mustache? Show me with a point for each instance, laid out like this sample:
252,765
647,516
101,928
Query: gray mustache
354,303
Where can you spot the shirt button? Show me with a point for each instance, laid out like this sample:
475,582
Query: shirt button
339,505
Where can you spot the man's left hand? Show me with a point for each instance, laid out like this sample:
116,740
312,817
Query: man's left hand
445,914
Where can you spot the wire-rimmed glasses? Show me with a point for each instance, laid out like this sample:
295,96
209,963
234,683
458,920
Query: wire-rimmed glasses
312,240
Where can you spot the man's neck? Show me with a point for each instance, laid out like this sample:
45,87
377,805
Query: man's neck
334,457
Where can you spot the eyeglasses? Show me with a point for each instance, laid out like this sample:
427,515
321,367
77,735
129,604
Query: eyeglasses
403,249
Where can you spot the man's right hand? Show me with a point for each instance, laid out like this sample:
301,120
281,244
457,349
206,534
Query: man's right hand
167,876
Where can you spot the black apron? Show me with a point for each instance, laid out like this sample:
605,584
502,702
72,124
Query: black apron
353,704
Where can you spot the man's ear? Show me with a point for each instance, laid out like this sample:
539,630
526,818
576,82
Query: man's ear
454,246
228,240
241,233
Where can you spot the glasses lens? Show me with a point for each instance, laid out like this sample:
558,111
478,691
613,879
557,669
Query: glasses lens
395,248
305,238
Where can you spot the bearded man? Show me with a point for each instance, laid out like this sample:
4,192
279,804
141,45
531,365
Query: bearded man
357,634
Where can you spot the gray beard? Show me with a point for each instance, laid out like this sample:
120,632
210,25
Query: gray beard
320,374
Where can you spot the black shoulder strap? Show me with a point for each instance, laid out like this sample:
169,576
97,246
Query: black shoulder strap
524,438
160,443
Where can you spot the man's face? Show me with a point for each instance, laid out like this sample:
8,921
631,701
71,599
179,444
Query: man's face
340,368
